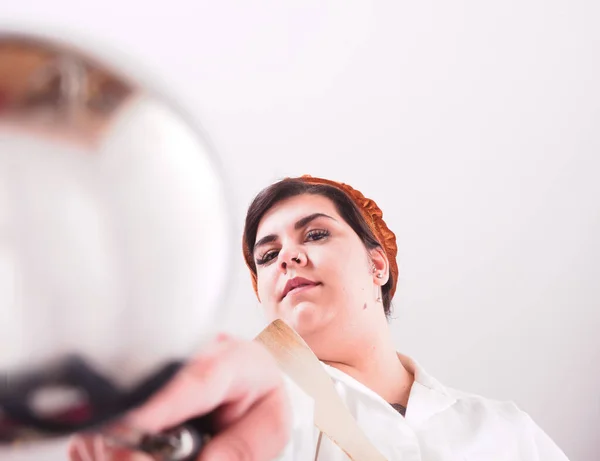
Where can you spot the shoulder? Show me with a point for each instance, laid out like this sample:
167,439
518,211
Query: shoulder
465,403
506,407
507,421
477,405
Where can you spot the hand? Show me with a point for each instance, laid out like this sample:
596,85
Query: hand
238,382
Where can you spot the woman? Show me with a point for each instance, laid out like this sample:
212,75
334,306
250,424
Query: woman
323,260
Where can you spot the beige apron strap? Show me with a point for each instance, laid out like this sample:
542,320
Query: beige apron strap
332,416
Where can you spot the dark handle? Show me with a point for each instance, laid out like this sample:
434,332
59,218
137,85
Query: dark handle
181,443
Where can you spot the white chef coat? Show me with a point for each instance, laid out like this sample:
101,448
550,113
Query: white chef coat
440,424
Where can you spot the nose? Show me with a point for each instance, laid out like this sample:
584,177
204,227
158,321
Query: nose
292,257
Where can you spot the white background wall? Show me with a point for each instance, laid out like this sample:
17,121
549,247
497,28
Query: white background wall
474,125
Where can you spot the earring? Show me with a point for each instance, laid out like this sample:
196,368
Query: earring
379,275
378,299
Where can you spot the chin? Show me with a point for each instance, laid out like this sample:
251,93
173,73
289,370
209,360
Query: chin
306,318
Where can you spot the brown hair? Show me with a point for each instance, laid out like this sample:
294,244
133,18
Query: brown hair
360,213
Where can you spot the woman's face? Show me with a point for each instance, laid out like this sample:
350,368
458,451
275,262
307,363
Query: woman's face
313,268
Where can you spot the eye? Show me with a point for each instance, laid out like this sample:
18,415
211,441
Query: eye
268,256
317,234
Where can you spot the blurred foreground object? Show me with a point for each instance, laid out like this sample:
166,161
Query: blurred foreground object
114,240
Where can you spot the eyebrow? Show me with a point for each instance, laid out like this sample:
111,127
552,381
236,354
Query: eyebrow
299,225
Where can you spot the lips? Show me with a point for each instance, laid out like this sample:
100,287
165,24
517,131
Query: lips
295,283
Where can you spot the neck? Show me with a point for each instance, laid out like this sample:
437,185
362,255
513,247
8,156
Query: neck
373,361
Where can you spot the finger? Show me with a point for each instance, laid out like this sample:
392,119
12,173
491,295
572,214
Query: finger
96,448
100,449
260,435
226,372
79,449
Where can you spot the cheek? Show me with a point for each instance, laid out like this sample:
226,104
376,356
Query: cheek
266,285
336,264
270,312
348,271
266,295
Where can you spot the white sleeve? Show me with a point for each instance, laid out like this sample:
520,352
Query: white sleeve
547,450
302,444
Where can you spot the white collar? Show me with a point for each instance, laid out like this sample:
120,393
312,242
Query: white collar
427,395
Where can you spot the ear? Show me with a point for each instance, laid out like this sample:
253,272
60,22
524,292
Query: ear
381,266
